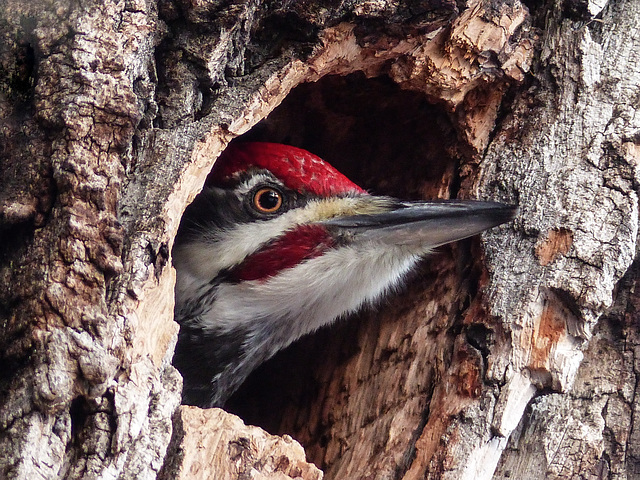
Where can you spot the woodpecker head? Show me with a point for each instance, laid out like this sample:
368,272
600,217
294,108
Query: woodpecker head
281,244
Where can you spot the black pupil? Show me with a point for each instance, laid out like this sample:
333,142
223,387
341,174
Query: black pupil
269,200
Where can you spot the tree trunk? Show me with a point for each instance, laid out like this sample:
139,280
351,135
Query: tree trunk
512,355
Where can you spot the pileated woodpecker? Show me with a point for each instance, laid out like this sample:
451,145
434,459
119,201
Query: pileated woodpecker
281,244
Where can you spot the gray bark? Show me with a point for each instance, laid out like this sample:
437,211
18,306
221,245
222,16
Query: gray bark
509,356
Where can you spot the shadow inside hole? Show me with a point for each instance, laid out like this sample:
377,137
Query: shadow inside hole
390,142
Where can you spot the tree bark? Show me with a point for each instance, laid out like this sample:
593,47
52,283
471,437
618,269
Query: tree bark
512,355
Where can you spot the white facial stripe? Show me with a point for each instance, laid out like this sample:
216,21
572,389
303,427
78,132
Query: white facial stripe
254,180
218,250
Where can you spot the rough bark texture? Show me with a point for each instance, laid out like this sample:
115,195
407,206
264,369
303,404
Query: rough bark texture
513,356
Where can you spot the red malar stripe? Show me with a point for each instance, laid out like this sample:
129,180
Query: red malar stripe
303,243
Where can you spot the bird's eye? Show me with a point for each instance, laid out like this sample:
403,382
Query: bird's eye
267,200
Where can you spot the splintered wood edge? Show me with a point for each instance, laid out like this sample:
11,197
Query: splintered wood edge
219,445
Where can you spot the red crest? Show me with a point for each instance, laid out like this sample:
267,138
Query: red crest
298,169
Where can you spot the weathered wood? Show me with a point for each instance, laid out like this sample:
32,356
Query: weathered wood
582,153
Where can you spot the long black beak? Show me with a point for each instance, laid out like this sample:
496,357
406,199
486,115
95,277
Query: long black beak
424,224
